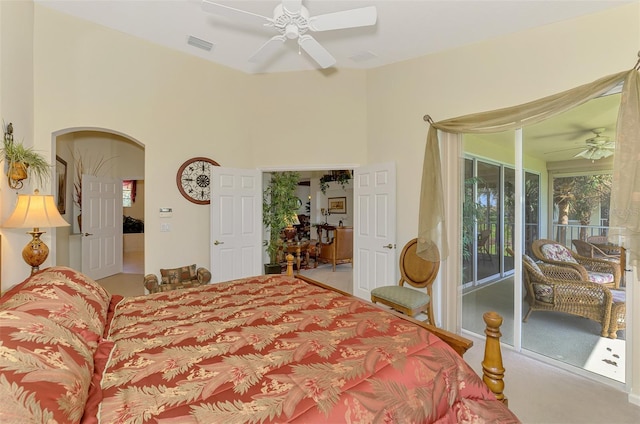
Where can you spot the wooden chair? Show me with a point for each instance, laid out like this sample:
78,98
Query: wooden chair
595,270
561,288
417,273
340,249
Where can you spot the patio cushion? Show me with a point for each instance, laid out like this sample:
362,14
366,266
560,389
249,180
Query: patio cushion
533,264
600,277
557,252
403,296
619,296
544,292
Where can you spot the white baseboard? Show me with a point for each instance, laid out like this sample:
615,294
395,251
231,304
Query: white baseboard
634,399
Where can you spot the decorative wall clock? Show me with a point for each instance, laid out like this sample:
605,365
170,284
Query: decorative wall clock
194,180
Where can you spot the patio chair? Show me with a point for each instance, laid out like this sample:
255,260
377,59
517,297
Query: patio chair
562,289
483,243
590,250
595,270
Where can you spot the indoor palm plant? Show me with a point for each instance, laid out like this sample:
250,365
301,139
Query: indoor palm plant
22,162
279,204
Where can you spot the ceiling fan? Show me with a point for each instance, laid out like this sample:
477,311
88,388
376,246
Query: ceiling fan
291,19
597,147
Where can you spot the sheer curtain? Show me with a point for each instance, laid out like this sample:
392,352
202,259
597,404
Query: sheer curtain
625,197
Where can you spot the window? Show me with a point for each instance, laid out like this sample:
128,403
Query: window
128,193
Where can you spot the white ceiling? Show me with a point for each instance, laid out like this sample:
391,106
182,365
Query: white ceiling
405,29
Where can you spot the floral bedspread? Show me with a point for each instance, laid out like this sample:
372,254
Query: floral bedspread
276,349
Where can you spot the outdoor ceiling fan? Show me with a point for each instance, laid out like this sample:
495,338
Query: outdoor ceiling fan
597,147
292,21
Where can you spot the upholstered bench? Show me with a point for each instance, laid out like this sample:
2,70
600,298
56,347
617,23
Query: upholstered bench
177,278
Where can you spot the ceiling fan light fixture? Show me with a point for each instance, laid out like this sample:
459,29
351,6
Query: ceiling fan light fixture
594,154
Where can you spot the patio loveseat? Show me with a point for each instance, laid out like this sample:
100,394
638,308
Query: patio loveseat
563,289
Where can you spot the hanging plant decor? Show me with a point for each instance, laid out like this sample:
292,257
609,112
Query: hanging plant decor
341,177
22,162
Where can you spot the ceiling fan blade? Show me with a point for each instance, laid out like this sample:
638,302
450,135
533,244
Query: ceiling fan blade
353,18
564,150
236,14
316,51
292,6
267,49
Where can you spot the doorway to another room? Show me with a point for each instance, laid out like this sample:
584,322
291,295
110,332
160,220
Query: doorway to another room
111,156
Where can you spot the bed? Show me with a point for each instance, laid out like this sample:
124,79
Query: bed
256,350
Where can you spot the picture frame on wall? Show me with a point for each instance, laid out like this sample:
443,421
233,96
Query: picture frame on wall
337,204
61,181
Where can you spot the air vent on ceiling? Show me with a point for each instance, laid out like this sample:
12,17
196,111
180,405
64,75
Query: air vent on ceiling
199,43
362,56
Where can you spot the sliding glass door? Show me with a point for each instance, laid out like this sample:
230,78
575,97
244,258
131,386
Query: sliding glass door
519,188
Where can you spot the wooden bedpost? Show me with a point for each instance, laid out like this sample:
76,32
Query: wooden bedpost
492,367
290,265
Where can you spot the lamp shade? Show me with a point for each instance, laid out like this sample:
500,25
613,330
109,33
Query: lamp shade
35,211
293,220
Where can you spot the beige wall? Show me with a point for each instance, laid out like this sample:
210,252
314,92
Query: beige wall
16,106
179,106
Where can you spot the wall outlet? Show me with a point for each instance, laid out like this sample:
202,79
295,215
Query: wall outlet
165,228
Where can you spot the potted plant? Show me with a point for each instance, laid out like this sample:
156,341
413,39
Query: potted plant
279,203
341,177
22,162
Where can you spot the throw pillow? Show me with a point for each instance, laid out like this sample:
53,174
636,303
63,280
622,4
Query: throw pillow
178,275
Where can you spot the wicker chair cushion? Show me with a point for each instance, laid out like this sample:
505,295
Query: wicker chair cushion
543,292
619,296
179,275
533,264
600,277
557,252
403,296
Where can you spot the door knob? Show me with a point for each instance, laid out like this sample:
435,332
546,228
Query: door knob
389,246
215,243
87,234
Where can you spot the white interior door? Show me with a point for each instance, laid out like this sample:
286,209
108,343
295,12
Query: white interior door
101,226
374,248
236,223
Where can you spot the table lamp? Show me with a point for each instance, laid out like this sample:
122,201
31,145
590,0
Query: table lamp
35,211
289,231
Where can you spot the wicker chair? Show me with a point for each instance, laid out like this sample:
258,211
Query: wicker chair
589,250
599,271
560,288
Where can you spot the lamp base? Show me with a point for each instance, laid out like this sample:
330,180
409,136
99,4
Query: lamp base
36,251
290,233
